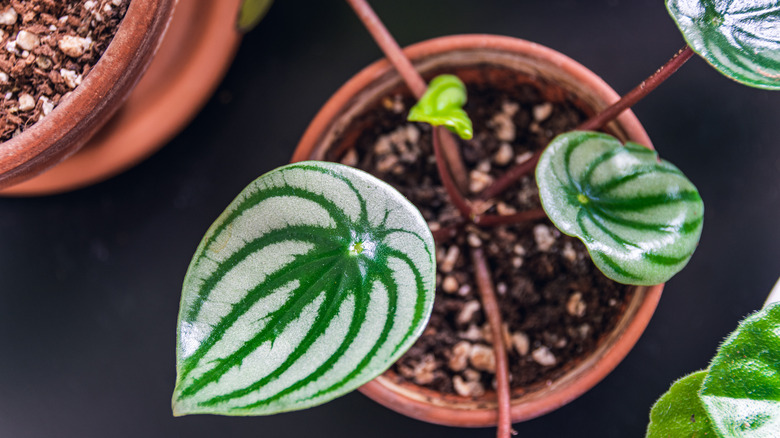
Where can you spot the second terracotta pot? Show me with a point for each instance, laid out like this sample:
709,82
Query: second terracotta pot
91,104
530,62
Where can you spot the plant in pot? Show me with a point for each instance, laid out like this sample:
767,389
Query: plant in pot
49,58
222,341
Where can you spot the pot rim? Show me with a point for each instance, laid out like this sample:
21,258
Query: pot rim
421,403
94,101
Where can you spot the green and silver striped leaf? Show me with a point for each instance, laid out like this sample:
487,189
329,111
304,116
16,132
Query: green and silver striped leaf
741,391
311,283
639,217
741,39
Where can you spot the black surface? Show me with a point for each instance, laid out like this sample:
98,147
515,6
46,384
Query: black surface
91,279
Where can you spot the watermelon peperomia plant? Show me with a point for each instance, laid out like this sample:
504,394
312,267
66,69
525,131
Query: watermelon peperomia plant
318,276
738,395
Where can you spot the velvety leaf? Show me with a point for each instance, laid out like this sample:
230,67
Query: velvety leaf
742,389
679,413
640,218
311,283
739,38
251,12
442,104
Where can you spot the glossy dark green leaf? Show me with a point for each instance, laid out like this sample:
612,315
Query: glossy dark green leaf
742,389
639,217
679,413
442,104
251,12
740,38
313,281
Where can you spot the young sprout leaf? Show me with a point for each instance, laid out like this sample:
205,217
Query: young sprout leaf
442,104
314,280
251,12
742,389
739,38
679,413
639,217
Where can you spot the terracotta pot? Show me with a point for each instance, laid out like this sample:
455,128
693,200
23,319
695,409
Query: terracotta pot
91,104
194,56
529,62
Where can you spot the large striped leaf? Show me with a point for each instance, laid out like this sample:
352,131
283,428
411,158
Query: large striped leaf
639,217
739,38
742,389
311,283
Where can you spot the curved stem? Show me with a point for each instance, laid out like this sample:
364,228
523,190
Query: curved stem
599,120
510,176
640,91
389,47
444,234
411,77
490,220
460,203
490,306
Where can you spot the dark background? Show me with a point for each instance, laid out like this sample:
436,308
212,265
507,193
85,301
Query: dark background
91,279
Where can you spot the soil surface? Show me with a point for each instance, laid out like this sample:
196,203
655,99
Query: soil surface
555,304
47,48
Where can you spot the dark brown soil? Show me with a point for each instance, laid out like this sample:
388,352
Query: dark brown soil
47,47
555,303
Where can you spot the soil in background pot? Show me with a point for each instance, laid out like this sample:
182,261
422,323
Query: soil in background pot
555,303
47,47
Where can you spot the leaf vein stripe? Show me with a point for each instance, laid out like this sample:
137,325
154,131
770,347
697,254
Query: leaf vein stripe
392,303
644,202
684,228
298,268
361,305
287,313
310,233
595,191
333,301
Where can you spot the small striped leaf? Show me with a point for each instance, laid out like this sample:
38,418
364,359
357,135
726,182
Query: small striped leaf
639,217
311,283
442,104
742,389
679,413
741,39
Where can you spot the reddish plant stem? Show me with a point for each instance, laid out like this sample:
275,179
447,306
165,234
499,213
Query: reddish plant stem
389,47
413,80
490,307
640,91
596,122
463,206
510,176
490,220
444,234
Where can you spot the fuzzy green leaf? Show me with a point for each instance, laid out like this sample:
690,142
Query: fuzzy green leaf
679,413
639,217
311,283
742,389
739,38
442,104
251,12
